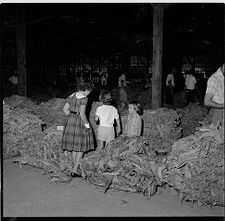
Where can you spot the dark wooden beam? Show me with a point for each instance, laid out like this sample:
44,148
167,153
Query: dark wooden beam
157,55
21,51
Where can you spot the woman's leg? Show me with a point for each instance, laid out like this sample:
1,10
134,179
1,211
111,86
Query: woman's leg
76,159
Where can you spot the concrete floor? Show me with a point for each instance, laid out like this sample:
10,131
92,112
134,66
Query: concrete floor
28,193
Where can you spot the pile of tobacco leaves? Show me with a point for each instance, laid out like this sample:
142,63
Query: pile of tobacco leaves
195,166
191,117
126,163
192,165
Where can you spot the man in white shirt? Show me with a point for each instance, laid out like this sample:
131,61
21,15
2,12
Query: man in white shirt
214,96
190,82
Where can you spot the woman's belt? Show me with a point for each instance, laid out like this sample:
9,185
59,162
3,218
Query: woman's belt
73,112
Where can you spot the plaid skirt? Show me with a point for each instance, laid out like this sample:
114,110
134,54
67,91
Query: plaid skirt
76,137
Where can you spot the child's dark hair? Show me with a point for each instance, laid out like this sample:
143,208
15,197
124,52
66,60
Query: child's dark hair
138,107
105,98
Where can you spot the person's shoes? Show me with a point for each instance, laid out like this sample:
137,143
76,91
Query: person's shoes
75,175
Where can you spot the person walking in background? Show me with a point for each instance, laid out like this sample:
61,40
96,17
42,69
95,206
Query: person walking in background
133,125
214,96
190,82
123,97
77,134
14,82
170,85
106,114
104,77
122,81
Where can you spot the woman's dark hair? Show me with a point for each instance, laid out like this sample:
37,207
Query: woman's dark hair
105,98
85,86
138,108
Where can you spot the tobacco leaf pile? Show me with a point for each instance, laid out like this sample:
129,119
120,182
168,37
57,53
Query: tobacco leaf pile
132,163
191,117
19,126
24,139
162,126
145,98
126,163
195,166
50,112
46,154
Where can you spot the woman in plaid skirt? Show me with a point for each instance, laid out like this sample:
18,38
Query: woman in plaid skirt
77,134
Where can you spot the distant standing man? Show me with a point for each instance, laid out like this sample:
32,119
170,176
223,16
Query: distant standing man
122,82
104,77
14,80
190,82
214,96
170,85
122,91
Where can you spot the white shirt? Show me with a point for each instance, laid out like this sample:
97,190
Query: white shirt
107,114
170,79
215,86
190,82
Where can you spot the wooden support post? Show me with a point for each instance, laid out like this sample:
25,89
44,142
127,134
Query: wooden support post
21,51
157,55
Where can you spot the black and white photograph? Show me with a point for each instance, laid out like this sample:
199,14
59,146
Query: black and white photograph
112,109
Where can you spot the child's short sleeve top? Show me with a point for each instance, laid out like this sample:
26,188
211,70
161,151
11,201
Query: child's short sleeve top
107,114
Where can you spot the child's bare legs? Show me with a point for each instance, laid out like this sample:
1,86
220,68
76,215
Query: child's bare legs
106,144
76,159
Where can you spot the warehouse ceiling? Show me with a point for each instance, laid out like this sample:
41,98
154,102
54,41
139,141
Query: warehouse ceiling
56,31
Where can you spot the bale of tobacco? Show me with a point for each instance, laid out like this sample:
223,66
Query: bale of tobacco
44,152
191,117
126,163
145,99
51,112
15,101
162,127
18,127
195,166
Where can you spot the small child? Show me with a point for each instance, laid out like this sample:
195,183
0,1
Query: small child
133,126
106,114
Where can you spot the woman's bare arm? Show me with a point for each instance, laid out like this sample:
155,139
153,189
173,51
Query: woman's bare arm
82,114
209,103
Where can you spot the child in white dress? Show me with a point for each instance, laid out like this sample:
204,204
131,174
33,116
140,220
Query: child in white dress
106,114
